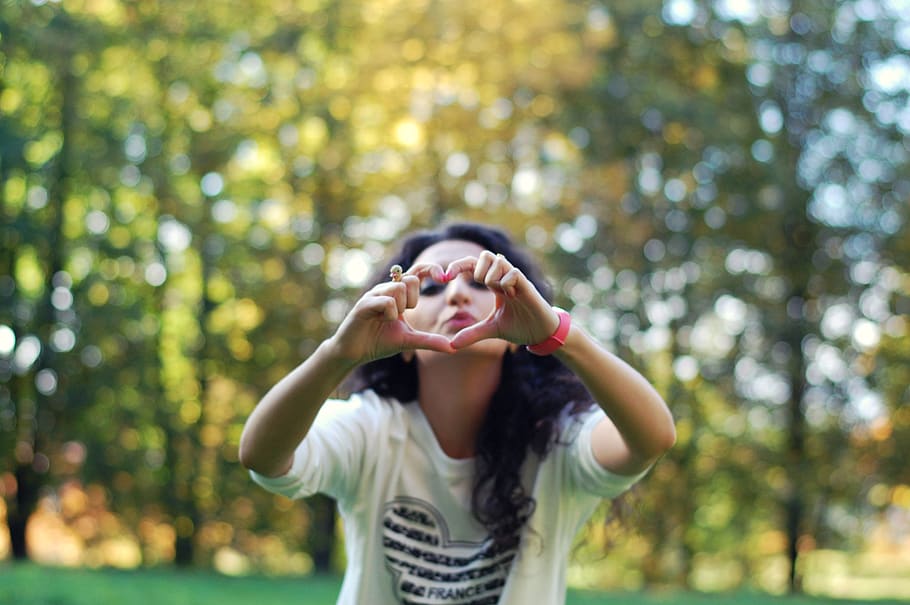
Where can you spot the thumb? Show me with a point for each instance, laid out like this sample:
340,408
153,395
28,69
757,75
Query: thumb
479,331
425,340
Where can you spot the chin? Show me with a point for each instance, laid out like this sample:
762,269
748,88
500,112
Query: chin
491,347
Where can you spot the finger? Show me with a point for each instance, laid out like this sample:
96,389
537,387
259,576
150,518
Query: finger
396,290
424,270
479,331
378,306
428,341
511,282
462,265
485,262
499,268
412,290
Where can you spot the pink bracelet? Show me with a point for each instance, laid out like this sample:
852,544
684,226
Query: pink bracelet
557,339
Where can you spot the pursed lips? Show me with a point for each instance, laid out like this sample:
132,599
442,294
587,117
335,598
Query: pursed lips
459,320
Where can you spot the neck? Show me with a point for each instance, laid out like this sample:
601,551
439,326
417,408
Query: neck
454,394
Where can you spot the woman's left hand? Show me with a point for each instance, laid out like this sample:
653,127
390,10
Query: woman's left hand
521,314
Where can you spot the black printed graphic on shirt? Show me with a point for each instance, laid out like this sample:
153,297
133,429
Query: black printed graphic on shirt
431,569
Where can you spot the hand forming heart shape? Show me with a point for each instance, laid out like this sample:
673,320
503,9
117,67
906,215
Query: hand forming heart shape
520,314
376,327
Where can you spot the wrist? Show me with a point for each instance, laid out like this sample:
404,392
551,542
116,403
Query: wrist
335,353
557,339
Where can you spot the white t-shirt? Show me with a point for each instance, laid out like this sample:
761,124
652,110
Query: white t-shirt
409,533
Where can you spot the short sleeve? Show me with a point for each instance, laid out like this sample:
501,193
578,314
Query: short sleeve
330,458
584,472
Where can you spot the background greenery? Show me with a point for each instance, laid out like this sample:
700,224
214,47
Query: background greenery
29,585
192,194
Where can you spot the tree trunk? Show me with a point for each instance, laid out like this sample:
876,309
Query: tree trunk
796,461
27,492
28,400
798,235
320,541
321,538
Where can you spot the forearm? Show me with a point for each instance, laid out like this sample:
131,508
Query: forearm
284,415
634,407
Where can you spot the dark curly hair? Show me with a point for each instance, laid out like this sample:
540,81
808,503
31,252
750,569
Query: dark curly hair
524,411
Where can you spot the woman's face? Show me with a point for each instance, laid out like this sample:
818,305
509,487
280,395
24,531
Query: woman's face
447,308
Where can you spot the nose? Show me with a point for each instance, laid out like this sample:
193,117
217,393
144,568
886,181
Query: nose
458,291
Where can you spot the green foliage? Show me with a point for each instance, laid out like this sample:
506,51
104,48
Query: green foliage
33,585
191,196
30,585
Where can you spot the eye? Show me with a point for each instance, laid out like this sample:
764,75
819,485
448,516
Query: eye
430,288
478,285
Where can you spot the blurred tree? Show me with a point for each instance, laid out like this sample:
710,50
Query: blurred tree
815,78
37,289
718,126
193,194
660,125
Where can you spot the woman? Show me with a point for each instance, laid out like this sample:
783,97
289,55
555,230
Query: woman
483,430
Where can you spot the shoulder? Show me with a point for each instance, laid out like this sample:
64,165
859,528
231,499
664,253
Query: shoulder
360,402
571,424
575,455
364,408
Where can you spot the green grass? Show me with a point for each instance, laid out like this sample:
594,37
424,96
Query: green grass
26,584
35,585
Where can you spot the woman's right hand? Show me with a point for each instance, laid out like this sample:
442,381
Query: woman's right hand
375,326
